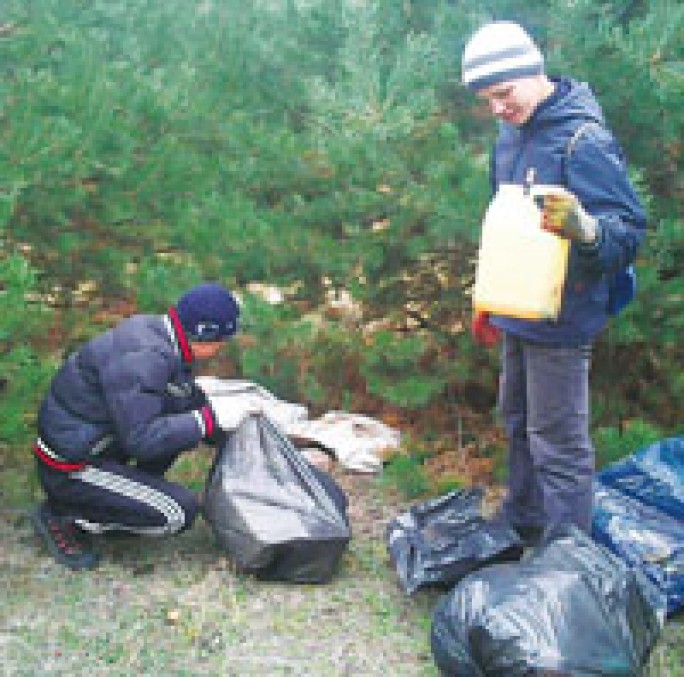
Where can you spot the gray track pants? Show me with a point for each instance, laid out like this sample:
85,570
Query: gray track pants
544,401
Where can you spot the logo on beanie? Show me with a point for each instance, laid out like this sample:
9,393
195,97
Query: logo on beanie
212,331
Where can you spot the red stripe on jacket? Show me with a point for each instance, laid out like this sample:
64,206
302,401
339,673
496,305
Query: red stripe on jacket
180,335
57,465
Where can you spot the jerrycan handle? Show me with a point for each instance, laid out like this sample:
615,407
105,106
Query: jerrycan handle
529,182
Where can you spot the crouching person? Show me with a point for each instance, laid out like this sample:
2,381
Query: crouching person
117,415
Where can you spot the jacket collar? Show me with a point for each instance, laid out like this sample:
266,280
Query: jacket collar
571,100
180,340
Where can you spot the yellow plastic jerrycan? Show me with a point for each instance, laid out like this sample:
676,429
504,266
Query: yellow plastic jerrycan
521,268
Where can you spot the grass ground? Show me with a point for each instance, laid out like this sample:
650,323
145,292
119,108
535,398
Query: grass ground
177,607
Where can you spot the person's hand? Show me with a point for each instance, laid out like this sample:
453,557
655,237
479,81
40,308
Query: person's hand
198,398
563,215
484,332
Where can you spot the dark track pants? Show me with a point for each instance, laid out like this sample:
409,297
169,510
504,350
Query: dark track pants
544,401
113,496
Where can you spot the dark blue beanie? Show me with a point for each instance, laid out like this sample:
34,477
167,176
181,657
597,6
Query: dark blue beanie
208,312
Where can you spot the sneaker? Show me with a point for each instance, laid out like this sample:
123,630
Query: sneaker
65,541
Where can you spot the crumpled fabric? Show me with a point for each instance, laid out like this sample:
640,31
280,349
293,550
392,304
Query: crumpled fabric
233,400
358,442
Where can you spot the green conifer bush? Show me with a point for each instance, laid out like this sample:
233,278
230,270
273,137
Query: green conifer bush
328,150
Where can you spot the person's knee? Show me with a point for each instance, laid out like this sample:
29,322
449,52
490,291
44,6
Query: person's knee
184,516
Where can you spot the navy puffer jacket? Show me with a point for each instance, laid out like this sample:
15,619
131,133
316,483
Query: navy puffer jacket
597,174
132,384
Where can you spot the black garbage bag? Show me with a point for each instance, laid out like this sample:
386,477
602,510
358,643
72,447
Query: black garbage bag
570,608
276,516
438,542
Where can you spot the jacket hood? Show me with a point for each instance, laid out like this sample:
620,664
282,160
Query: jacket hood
577,102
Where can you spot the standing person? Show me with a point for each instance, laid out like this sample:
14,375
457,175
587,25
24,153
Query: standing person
117,415
553,129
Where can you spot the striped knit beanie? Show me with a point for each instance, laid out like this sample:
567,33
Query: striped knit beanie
498,52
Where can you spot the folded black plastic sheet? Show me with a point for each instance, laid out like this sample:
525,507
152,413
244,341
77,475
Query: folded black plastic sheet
438,542
570,608
276,516
654,476
644,537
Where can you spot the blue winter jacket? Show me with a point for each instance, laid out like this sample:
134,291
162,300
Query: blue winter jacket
596,173
131,387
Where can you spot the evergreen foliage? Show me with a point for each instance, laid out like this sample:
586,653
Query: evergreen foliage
23,376
327,149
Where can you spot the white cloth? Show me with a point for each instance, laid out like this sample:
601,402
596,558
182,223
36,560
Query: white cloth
232,400
357,441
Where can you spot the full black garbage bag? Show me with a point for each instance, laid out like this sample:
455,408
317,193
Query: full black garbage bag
276,516
438,542
570,608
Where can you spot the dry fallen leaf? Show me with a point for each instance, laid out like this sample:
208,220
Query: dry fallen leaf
172,616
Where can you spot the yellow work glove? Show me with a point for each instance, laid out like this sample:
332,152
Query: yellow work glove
563,215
